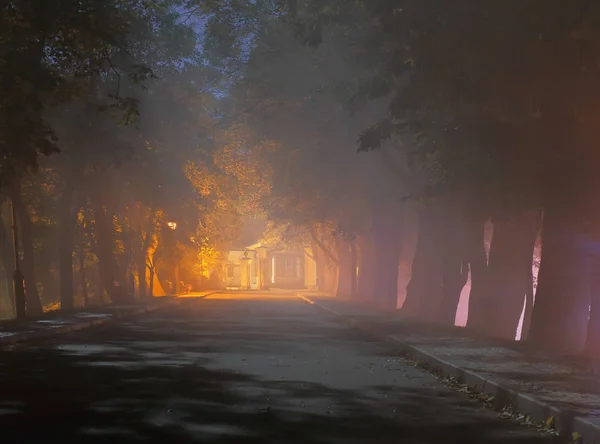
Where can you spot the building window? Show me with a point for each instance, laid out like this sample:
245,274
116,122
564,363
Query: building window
230,270
286,267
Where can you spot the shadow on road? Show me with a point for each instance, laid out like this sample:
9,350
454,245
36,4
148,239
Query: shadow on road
142,382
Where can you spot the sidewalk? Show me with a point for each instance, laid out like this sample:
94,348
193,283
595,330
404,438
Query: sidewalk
561,394
57,322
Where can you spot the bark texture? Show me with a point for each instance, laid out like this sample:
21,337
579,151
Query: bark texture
67,226
560,315
386,243
366,269
509,273
424,290
32,297
345,275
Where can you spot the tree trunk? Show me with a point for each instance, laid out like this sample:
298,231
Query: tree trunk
152,272
331,278
478,267
344,286
509,270
386,243
320,265
560,315
592,345
32,297
7,258
151,290
353,275
112,277
366,270
455,267
529,298
328,264
66,246
386,275
82,276
99,292
454,277
142,272
424,290
142,254
530,287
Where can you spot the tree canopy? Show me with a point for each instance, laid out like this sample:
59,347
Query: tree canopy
199,115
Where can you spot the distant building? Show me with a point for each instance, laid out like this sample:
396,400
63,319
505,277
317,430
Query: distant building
260,267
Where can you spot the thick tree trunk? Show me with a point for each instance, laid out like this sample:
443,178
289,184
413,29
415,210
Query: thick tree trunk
112,277
424,290
327,264
529,298
455,267
151,289
127,263
560,315
82,276
366,270
386,243
592,345
386,276
353,274
152,272
509,271
478,267
320,264
66,246
6,255
331,278
147,245
142,268
142,279
440,269
34,304
454,277
99,292
499,287
344,285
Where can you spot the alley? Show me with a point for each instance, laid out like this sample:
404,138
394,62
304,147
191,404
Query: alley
232,369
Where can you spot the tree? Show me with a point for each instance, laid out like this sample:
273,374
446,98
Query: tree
487,101
291,94
129,106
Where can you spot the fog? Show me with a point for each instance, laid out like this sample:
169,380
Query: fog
413,158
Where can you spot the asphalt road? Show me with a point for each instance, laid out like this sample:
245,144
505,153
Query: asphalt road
233,369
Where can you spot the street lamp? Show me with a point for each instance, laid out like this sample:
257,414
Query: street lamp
173,226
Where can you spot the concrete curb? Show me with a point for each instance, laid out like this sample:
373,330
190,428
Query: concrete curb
84,324
565,421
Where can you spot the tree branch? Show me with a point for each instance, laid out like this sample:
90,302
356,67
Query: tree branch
309,255
322,246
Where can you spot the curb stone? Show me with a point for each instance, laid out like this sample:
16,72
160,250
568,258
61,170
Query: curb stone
565,421
19,337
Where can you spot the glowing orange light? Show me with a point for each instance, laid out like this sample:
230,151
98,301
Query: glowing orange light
172,225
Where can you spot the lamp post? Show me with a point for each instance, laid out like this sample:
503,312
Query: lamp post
173,226
18,279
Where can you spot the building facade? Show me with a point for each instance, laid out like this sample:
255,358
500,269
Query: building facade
258,267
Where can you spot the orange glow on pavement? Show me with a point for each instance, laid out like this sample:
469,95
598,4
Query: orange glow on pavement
252,296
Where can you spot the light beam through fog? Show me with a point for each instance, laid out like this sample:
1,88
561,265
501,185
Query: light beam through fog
402,161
